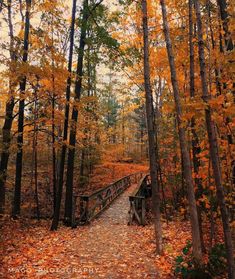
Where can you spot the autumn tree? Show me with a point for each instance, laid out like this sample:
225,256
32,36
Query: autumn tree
184,148
223,6
151,134
211,130
66,112
74,119
20,137
195,139
6,130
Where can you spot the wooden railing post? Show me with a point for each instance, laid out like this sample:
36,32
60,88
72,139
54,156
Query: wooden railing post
84,209
138,201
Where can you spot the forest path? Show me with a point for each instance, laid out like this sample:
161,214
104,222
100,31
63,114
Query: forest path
107,248
111,249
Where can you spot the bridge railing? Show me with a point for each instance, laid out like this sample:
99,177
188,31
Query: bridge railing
138,201
90,206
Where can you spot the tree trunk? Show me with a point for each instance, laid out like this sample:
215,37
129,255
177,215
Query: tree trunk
35,156
66,124
214,147
82,166
183,144
224,17
195,141
72,139
20,138
54,178
6,130
157,115
36,176
151,134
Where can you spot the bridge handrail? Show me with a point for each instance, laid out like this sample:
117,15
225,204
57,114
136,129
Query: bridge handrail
92,205
140,185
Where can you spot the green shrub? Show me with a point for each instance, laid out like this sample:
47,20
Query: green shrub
217,262
188,268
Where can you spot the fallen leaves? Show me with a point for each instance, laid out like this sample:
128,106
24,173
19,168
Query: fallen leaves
107,248
175,236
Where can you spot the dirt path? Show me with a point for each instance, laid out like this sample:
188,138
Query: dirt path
113,250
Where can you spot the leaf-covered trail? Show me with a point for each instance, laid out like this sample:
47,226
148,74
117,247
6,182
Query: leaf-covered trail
115,249
108,248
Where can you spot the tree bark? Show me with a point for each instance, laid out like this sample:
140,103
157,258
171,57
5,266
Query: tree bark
20,137
183,144
214,147
151,134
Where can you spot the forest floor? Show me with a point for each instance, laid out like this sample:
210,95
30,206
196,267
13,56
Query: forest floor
108,248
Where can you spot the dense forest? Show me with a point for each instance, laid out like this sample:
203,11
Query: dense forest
103,103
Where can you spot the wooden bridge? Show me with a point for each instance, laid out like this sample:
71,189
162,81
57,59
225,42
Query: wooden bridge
88,207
